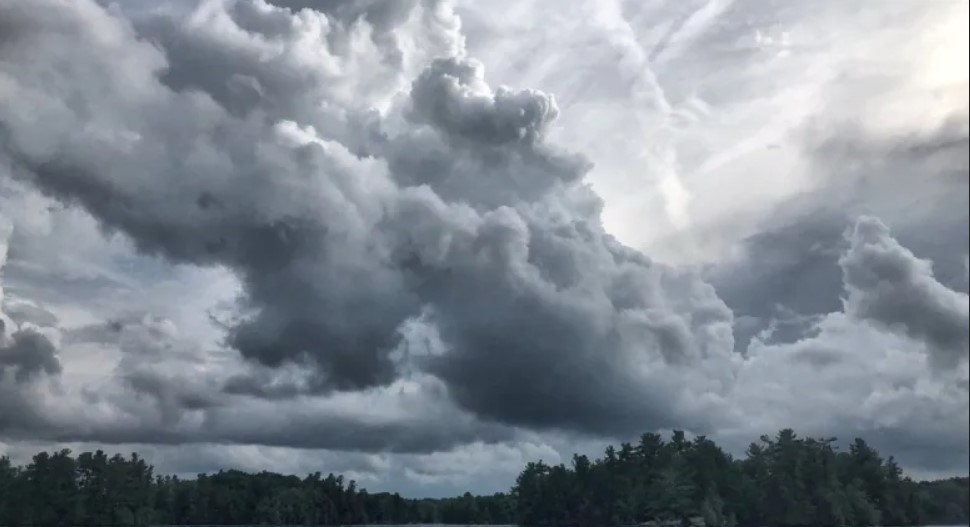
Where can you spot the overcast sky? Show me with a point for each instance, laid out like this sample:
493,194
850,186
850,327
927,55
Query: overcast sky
422,242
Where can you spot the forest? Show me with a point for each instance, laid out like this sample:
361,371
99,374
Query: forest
783,481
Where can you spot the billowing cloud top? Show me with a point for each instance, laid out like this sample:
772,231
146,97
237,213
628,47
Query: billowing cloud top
405,260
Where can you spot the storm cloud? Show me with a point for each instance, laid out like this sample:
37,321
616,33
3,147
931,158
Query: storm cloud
406,260
337,251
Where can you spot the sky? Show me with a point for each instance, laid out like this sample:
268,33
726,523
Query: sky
423,242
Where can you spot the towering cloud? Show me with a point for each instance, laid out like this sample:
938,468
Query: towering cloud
452,209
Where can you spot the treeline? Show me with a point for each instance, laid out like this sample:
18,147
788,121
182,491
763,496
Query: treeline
783,481
94,489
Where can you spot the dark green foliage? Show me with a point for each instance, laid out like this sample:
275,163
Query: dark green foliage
945,502
785,481
95,490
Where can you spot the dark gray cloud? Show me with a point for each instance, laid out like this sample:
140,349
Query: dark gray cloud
499,241
25,351
483,148
310,88
162,389
452,96
889,285
786,270
916,183
888,366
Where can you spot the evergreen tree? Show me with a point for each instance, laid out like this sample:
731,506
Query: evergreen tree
783,481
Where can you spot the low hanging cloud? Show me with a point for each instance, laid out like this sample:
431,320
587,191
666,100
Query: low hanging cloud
422,270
